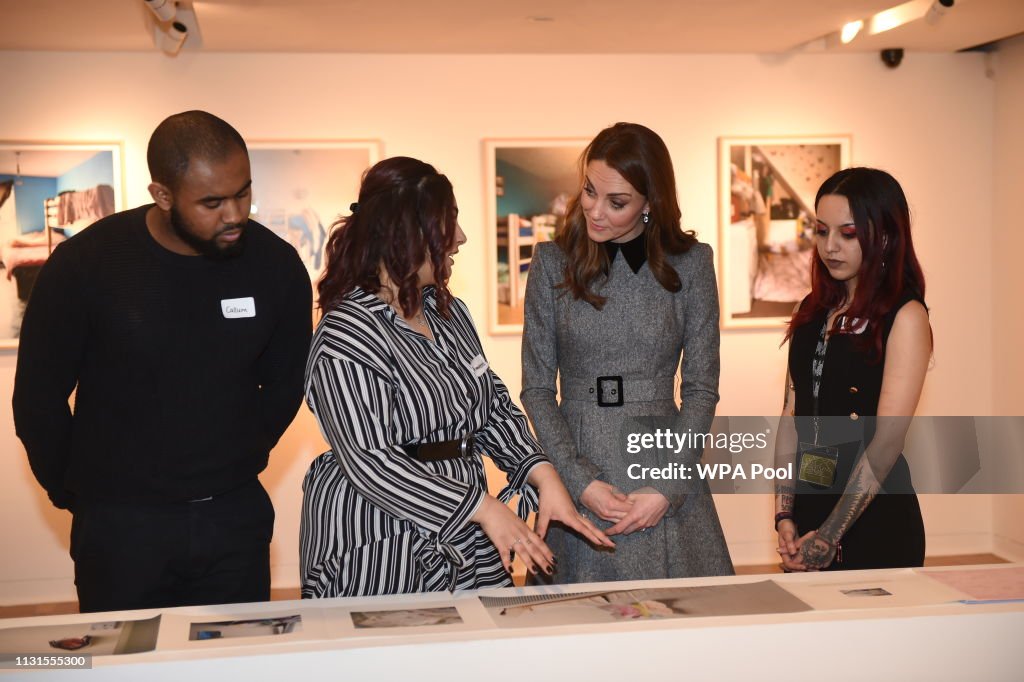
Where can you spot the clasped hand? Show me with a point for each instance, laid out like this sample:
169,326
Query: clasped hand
809,552
639,510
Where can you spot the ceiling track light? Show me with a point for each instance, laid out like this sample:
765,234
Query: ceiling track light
850,31
938,10
171,39
163,10
897,16
886,20
175,25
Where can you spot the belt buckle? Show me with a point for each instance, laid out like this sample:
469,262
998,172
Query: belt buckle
616,392
466,445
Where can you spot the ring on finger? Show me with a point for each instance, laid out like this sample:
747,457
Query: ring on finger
516,541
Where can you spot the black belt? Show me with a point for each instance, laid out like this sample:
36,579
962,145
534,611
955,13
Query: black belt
448,449
615,391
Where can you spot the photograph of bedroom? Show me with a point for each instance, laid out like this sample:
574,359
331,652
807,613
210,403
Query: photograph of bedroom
532,187
46,196
771,225
301,189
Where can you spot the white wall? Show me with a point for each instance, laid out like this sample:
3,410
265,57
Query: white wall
930,123
1007,275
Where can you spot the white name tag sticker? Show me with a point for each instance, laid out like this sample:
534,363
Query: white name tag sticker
479,365
234,308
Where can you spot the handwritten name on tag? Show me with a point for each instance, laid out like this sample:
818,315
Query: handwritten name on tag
234,308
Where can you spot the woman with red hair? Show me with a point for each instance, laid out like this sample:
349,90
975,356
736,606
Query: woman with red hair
859,347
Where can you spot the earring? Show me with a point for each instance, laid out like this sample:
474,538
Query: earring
646,217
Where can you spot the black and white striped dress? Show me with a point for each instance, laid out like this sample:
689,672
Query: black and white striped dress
374,520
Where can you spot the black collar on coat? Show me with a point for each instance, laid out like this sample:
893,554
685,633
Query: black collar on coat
634,251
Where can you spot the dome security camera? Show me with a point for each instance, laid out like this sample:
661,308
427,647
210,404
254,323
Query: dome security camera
892,57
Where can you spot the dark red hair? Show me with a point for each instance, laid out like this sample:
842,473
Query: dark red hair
642,159
889,269
406,214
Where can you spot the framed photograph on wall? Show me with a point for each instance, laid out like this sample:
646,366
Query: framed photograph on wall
299,189
49,191
527,184
766,189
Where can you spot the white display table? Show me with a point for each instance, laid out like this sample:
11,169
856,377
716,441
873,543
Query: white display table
915,633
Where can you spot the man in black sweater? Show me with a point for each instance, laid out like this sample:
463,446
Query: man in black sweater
184,326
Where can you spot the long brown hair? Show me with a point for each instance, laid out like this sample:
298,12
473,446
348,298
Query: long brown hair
642,159
889,268
406,214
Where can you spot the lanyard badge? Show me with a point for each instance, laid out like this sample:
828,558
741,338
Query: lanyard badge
818,464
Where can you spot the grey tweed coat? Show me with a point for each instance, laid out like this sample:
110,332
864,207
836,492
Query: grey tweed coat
639,335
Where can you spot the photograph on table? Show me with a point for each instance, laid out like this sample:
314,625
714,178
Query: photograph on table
299,189
49,191
766,190
899,588
982,584
552,609
406,618
250,627
527,185
97,638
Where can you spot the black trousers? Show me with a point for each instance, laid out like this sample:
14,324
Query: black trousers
140,556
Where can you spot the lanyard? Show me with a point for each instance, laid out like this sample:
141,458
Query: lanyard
817,369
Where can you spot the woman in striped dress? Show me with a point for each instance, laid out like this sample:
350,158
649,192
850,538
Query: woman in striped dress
399,384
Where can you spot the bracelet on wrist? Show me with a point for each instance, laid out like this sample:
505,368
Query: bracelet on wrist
782,516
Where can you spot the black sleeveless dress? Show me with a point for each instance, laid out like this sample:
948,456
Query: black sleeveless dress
890,531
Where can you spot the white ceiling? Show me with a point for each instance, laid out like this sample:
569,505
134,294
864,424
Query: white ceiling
488,26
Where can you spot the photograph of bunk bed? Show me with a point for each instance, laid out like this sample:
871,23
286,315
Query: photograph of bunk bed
48,193
530,184
516,237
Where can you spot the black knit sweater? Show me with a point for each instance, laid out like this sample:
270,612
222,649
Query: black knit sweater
178,397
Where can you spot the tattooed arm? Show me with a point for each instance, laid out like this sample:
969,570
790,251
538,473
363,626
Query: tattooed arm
785,455
818,549
906,360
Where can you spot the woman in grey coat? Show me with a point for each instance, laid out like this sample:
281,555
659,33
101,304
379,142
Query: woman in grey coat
611,306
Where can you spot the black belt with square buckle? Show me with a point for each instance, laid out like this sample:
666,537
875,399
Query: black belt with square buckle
610,385
616,391
444,450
